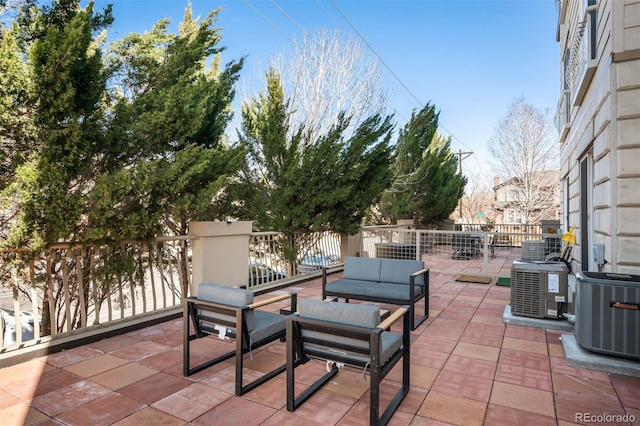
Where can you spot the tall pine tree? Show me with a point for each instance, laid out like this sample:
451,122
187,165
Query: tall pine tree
427,186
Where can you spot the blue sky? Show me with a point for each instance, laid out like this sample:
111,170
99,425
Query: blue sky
470,58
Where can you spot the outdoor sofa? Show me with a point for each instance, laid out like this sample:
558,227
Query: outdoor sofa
392,281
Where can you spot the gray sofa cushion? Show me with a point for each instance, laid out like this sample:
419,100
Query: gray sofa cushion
398,271
391,291
348,286
226,295
362,268
366,316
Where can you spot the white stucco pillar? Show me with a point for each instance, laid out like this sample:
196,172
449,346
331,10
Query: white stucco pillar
220,253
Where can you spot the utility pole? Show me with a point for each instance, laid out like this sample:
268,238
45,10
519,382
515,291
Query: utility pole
460,155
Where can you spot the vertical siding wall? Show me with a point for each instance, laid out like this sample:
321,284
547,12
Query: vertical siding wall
606,129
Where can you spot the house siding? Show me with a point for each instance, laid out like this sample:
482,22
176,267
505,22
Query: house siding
605,129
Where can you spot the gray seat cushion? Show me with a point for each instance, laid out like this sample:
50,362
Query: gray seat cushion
225,295
392,291
360,315
348,286
399,270
267,324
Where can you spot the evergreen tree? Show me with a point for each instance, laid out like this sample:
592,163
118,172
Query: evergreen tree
297,185
427,186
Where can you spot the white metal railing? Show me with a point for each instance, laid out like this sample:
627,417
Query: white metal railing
438,246
70,289
268,262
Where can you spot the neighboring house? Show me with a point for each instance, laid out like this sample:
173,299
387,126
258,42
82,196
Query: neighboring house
516,201
598,119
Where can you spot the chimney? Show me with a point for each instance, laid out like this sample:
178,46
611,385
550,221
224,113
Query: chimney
496,181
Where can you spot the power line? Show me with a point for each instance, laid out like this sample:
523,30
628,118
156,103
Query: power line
391,71
269,22
376,53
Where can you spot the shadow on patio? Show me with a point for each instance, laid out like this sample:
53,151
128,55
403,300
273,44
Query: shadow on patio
467,367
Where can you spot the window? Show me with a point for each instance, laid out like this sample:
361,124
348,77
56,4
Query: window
584,53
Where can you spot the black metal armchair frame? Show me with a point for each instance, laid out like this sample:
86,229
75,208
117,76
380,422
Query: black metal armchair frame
194,309
301,349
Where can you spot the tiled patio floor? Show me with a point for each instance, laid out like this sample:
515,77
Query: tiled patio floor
467,368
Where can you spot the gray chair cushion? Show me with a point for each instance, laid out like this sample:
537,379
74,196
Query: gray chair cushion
399,270
344,313
348,286
366,316
266,325
226,295
362,268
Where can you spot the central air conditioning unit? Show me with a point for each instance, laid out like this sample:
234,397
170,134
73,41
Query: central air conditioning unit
608,313
533,249
539,289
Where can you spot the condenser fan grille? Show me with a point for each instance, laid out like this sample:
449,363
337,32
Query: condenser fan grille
526,297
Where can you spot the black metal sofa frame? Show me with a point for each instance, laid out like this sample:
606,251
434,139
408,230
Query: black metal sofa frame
392,281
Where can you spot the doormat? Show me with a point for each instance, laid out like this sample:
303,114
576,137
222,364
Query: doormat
504,281
473,279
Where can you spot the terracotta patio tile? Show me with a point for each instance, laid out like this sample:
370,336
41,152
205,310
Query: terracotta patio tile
485,328
114,343
498,415
480,338
524,359
273,393
244,412
286,418
97,365
527,333
471,366
29,369
191,402
105,410
576,396
525,345
123,375
7,400
323,407
453,409
20,414
149,416
479,319
559,365
428,343
49,380
463,385
523,398
154,388
429,358
72,356
628,390
471,350
164,360
140,350
69,397
537,379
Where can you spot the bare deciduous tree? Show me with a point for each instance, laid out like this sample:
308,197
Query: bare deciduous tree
327,73
477,203
524,151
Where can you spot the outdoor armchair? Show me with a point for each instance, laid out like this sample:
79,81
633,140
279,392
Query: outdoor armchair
348,334
231,312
